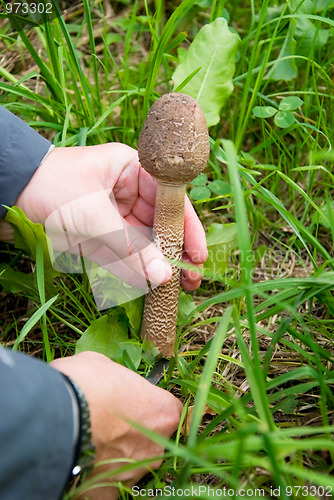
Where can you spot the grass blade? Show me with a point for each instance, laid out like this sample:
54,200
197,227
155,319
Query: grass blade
206,377
254,366
33,320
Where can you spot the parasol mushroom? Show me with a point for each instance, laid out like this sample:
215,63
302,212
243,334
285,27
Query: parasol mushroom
174,148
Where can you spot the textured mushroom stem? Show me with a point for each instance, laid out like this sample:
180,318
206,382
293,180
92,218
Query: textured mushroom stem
161,303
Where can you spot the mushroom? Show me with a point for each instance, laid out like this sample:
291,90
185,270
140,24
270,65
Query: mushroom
174,148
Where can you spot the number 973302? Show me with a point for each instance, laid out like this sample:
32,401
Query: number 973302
26,9
309,491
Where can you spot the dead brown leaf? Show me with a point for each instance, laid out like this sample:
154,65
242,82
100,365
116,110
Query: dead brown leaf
186,424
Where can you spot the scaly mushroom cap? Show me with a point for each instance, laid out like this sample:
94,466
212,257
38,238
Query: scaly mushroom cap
174,141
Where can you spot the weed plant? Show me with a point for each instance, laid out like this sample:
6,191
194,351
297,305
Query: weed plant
256,370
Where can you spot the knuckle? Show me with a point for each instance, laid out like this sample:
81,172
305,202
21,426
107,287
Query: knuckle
156,464
92,356
173,419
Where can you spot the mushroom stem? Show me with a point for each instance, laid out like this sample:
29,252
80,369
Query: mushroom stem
174,148
161,303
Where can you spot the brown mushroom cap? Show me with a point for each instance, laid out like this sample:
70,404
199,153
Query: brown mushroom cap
174,142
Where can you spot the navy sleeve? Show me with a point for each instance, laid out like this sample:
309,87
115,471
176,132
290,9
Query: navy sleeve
21,152
36,429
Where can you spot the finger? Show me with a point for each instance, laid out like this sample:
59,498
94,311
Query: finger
139,253
194,235
106,285
133,246
147,186
190,286
142,212
135,270
99,493
193,273
96,258
191,278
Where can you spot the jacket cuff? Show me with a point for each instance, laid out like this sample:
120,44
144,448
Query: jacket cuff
37,429
21,151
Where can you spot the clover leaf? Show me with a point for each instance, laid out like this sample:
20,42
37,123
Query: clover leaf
283,116
264,111
284,119
290,103
204,188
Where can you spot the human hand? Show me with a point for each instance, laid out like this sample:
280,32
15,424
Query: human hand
97,201
116,394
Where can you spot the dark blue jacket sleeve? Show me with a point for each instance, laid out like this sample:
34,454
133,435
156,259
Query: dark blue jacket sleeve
36,429
21,152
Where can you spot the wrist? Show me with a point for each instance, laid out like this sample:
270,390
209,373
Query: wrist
51,148
82,435
6,232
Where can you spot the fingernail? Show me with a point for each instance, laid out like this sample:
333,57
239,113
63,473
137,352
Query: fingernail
158,271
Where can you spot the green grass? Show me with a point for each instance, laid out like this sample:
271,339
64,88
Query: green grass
259,341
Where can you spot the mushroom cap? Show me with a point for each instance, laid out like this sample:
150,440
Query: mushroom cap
174,142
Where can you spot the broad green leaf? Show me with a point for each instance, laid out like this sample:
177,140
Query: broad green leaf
312,6
308,35
150,352
129,354
264,111
26,233
290,103
214,50
110,291
200,180
222,234
200,193
320,5
221,240
186,306
106,335
220,187
181,54
16,282
302,37
134,312
285,67
284,119
273,12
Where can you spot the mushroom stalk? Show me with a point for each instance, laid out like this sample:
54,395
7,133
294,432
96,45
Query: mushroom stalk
174,148
161,303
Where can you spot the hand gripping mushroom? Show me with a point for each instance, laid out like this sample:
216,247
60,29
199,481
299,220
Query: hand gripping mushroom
174,148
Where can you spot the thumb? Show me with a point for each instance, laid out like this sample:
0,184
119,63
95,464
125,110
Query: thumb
92,226
134,247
